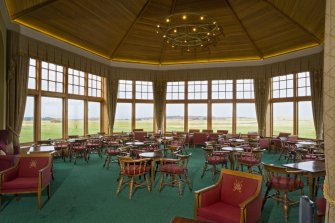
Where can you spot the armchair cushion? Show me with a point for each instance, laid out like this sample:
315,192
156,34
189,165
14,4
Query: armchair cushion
26,183
218,213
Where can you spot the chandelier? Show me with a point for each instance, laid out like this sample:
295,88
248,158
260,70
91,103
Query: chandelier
189,30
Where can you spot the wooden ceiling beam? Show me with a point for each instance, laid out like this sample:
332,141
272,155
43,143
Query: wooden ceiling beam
280,12
32,9
260,54
121,42
163,49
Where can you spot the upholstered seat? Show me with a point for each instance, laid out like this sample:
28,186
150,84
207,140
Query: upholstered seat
289,183
25,183
236,197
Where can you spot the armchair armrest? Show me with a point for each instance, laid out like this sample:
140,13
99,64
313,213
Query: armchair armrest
45,175
252,209
9,174
208,195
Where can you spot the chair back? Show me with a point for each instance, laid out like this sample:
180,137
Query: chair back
140,136
222,131
29,165
73,136
199,138
236,186
129,166
193,130
137,130
284,134
184,159
207,130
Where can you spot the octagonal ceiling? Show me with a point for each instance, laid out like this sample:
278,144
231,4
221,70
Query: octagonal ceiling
125,30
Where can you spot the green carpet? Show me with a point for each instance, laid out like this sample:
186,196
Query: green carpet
87,193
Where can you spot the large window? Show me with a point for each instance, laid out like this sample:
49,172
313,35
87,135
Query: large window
52,77
282,117
93,117
27,130
122,122
75,117
197,116
197,90
246,120
245,89
51,118
76,82
175,90
125,89
144,90
222,116
144,116
174,117
94,85
291,105
222,89
32,74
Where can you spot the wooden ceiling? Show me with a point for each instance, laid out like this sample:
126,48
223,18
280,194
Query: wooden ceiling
124,30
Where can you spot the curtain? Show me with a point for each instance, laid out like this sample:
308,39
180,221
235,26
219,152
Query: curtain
262,90
159,89
17,88
329,109
317,102
112,91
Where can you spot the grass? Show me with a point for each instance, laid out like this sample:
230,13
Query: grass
244,125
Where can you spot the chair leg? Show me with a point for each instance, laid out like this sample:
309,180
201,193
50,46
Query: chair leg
147,181
49,191
39,199
131,184
260,170
179,186
265,196
204,170
105,162
120,184
161,182
187,180
285,207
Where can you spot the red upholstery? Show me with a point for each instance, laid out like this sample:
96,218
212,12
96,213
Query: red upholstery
140,136
282,182
216,159
7,160
263,143
172,168
199,138
135,170
21,183
321,206
113,152
213,136
224,201
248,160
28,166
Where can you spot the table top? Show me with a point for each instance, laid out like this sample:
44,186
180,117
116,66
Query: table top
232,149
34,149
135,143
151,155
307,143
236,140
310,166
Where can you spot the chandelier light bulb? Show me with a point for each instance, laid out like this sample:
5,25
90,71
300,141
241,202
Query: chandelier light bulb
175,30
201,18
164,36
194,29
184,17
167,20
158,26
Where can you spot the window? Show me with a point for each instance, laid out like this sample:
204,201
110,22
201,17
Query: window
245,89
94,85
282,117
52,77
76,82
144,90
27,130
32,74
144,116
125,89
282,86
304,84
51,118
75,117
93,117
197,90
197,116
222,117
175,90
305,122
174,117
222,89
122,121
246,120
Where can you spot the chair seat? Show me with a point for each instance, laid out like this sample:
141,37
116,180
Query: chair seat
219,212
135,170
21,183
286,183
113,152
59,147
92,145
249,160
172,169
321,206
79,148
216,159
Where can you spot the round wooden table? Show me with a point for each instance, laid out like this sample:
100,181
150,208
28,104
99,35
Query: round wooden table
154,156
232,152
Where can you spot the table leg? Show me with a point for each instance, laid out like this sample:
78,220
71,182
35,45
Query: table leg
152,174
311,186
232,160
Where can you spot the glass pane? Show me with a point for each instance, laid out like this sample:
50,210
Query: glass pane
123,118
246,120
27,130
93,117
282,117
197,116
222,117
144,116
174,117
75,117
51,118
305,122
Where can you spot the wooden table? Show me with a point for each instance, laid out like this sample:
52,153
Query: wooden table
232,151
42,149
154,156
313,169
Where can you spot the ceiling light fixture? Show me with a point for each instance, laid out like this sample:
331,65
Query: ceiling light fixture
189,30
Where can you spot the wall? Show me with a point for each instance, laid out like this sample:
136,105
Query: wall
2,73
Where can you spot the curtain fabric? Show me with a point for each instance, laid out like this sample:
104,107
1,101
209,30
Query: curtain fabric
329,109
112,87
262,90
317,101
17,88
159,89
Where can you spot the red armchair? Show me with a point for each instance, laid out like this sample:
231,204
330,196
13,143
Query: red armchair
236,197
31,174
9,159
